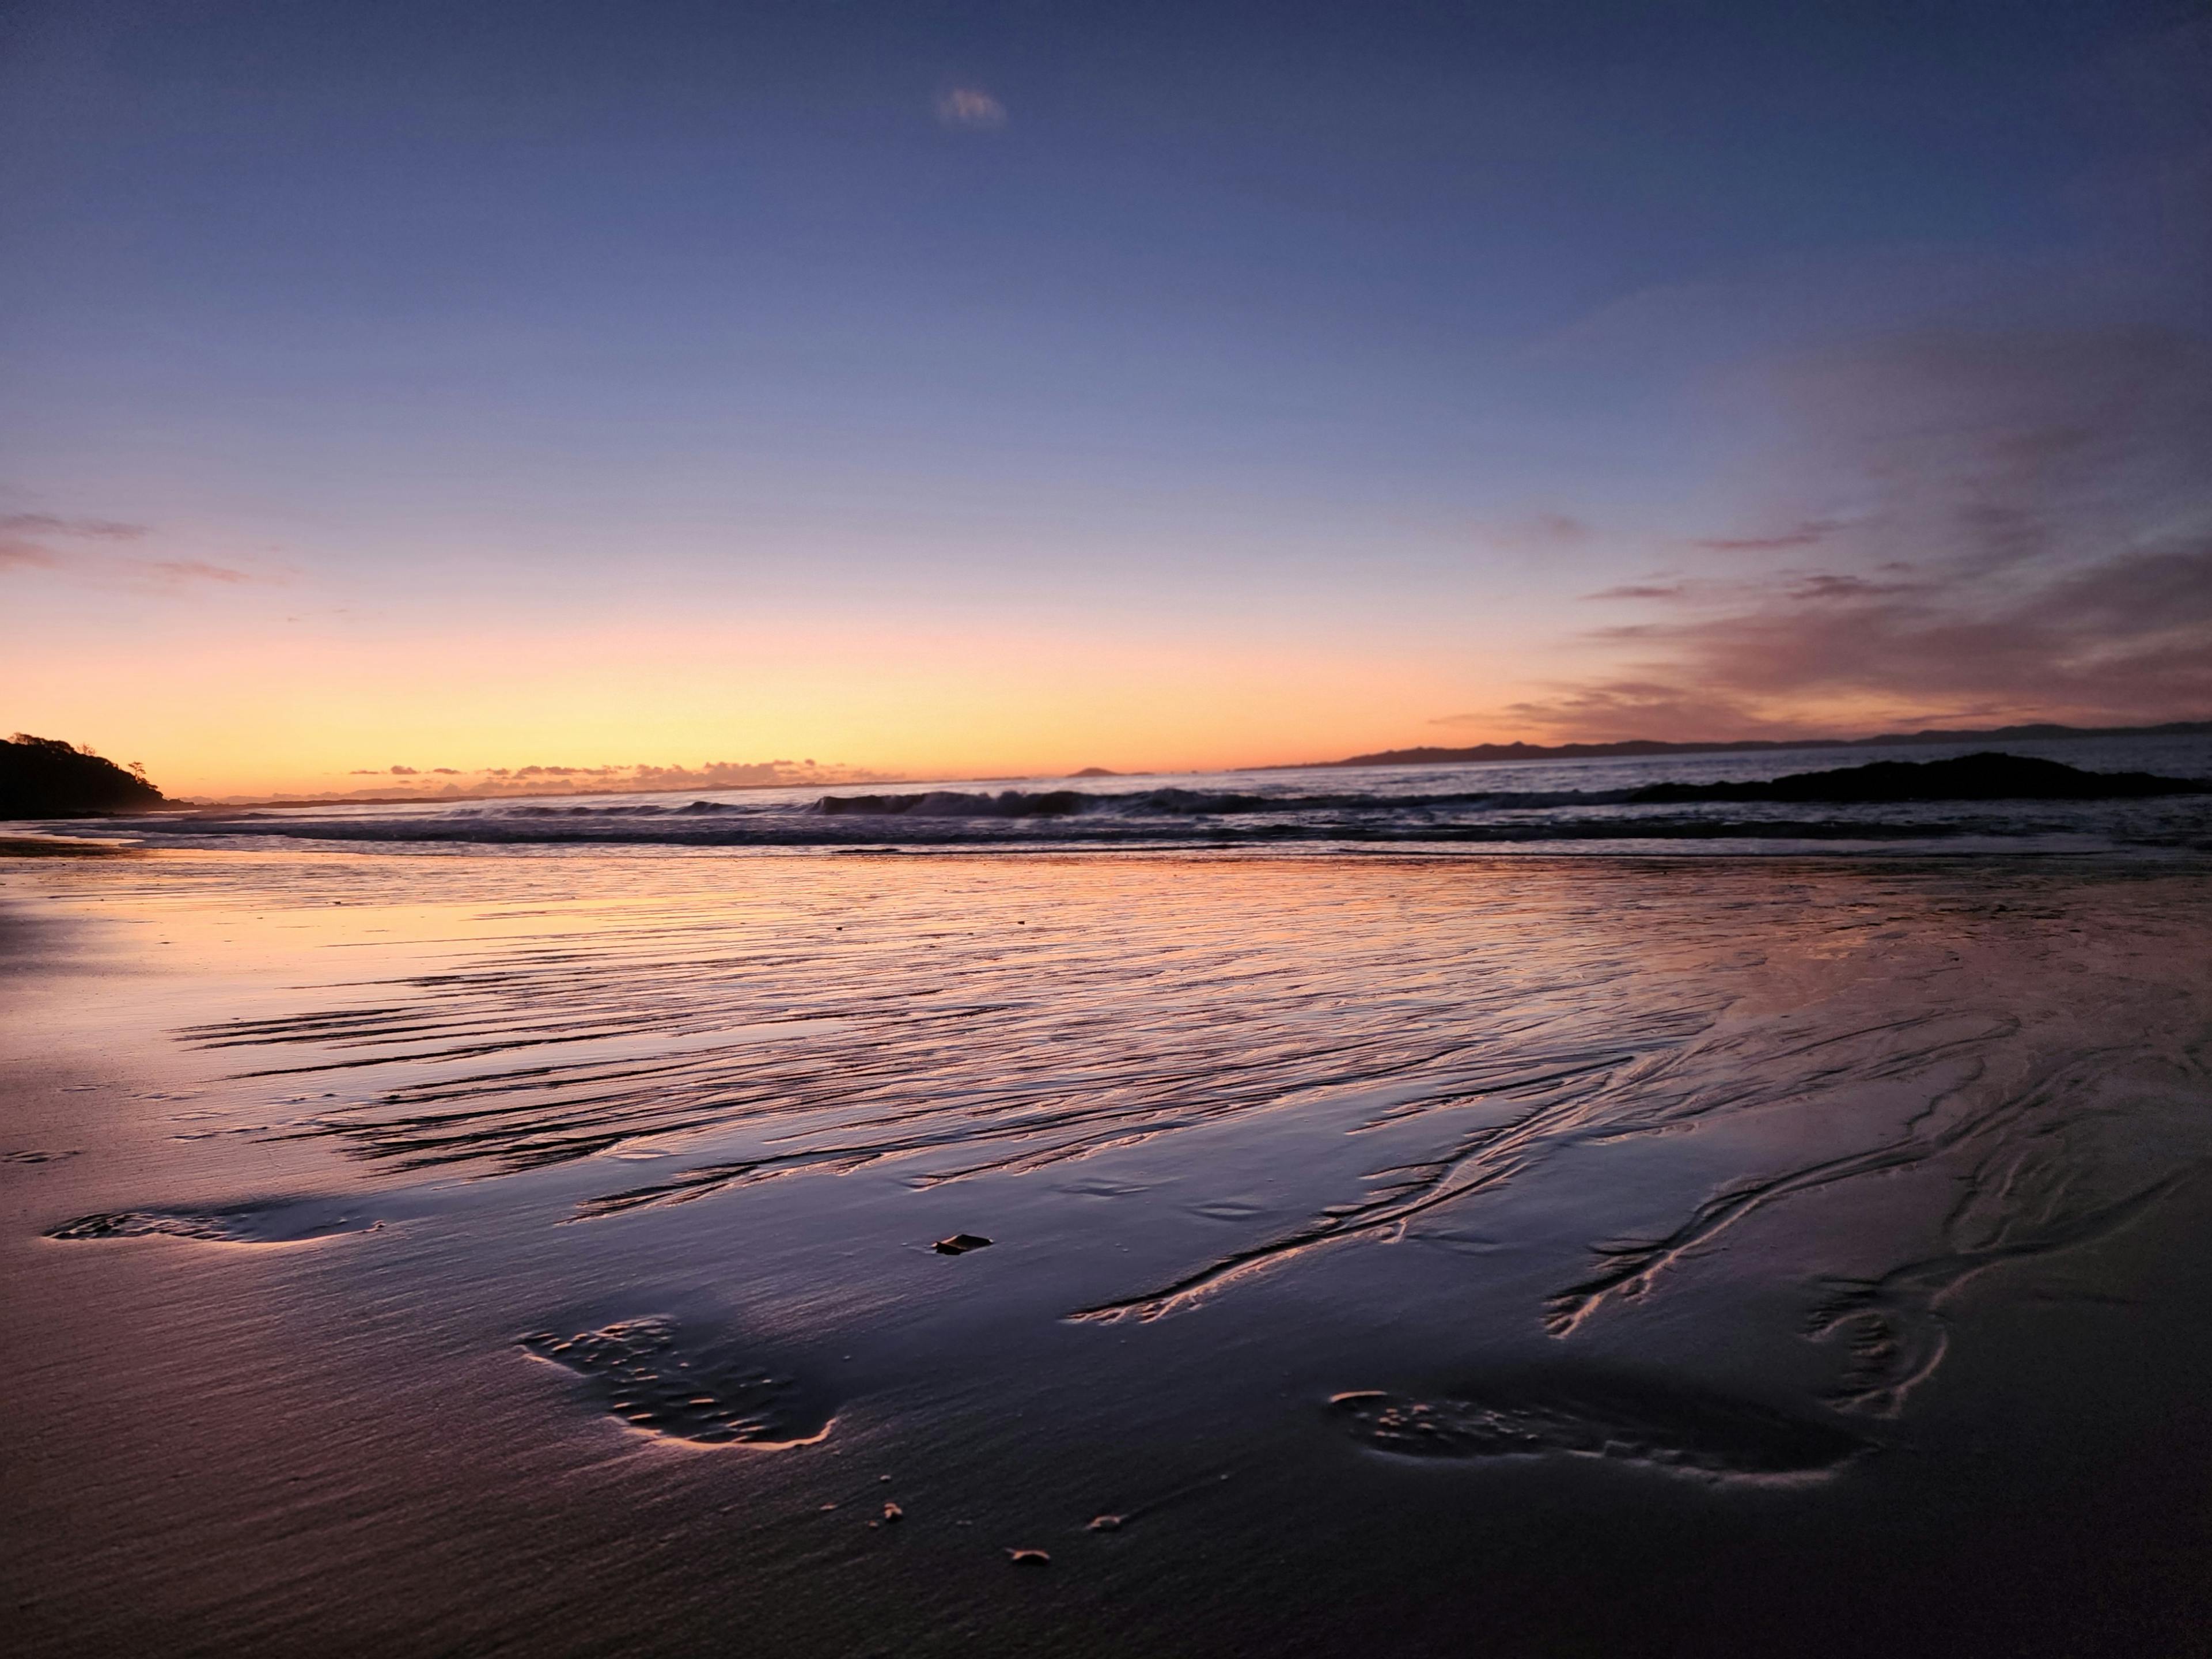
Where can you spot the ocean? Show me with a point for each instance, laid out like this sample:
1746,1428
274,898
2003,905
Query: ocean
1569,805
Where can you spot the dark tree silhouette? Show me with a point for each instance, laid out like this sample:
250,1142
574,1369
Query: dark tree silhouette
47,778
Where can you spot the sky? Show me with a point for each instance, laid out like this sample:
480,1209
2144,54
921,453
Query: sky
402,395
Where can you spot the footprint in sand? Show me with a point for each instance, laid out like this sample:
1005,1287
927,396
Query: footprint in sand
638,1371
244,1224
1628,1419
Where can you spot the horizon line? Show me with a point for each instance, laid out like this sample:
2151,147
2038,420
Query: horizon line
1421,755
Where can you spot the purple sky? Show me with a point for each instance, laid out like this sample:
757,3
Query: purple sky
1021,386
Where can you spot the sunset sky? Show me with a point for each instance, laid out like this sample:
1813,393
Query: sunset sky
953,389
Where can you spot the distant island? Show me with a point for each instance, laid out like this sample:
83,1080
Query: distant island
1095,772
1537,751
47,778
1970,777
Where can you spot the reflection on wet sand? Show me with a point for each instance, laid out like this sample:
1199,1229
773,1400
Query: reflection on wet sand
1291,1210
1484,1023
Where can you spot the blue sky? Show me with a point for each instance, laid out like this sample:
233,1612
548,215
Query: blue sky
1323,359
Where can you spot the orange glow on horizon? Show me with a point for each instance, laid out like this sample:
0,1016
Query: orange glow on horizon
282,714
239,705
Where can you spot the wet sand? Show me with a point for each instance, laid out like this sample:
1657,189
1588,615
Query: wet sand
533,1252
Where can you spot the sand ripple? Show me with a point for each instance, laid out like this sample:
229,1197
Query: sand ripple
2019,1051
251,1224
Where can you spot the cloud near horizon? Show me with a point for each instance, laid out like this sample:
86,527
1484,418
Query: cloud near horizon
28,542
46,524
193,570
25,537
638,777
1809,534
2030,538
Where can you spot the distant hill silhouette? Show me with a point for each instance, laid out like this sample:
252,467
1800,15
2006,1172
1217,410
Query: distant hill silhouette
47,778
1537,751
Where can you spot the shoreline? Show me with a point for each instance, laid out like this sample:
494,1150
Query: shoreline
350,1125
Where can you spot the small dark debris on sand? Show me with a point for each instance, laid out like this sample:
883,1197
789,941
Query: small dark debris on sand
1029,1557
1106,1523
893,1515
960,1244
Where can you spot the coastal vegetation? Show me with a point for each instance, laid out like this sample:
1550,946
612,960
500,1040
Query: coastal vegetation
49,778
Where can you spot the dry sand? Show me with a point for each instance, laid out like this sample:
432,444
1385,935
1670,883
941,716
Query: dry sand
533,1253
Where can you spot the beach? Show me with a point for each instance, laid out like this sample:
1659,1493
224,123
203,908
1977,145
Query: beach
1006,831
1009,831
533,1250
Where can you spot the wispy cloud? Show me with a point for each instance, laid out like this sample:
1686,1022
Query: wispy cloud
46,524
46,540
26,538
191,570
2031,539
543,778
2122,639
1537,532
1809,534
20,552
2129,637
971,107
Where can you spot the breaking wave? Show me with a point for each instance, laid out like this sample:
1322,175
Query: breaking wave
1189,803
2103,797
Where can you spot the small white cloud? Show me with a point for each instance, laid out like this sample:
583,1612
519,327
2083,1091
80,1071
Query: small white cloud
971,107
